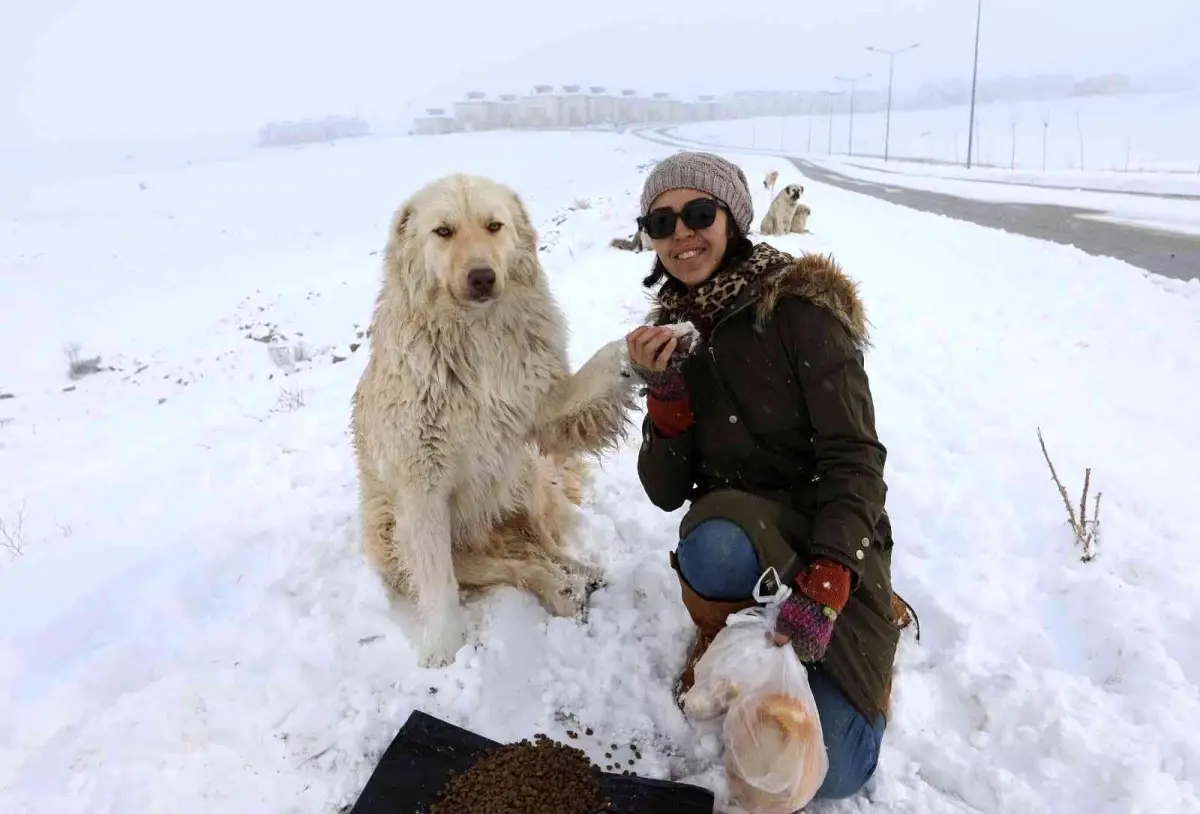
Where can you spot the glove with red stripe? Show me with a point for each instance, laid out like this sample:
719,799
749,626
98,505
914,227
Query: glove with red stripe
806,617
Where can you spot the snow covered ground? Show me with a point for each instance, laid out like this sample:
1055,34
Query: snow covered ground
191,627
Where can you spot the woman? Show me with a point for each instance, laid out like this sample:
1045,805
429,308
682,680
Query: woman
767,427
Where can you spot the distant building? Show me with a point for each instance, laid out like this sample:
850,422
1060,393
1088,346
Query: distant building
602,106
508,111
660,108
630,108
307,131
539,110
573,107
476,113
435,122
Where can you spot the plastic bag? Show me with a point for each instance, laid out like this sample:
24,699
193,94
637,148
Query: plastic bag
775,757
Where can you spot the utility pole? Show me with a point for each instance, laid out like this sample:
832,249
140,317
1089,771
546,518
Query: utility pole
853,80
830,94
1045,135
974,81
808,115
891,55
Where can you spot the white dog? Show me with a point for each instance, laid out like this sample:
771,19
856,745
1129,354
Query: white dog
778,220
469,429
771,179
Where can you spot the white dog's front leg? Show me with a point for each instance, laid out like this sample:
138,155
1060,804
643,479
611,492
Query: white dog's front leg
587,411
431,575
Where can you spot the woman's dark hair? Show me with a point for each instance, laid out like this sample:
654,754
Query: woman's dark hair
737,249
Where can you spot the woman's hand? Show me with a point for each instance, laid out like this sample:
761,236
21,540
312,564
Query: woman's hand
806,618
650,347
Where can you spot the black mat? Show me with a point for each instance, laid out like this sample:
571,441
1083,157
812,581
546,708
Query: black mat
414,769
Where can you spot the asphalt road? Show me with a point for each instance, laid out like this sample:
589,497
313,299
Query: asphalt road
1176,196
1170,254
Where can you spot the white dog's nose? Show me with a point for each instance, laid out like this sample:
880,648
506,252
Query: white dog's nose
481,282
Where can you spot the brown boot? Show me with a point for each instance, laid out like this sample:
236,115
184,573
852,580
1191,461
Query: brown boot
709,616
903,614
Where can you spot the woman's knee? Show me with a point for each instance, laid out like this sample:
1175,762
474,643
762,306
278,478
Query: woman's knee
852,742
718,560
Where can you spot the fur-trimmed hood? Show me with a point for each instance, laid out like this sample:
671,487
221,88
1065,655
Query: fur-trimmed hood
771,274
819,279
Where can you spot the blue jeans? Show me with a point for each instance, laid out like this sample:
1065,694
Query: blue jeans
719,562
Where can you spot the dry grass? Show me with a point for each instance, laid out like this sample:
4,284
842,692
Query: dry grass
1086,530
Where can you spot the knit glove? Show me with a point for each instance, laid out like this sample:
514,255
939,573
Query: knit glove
807,616
664,385
668,385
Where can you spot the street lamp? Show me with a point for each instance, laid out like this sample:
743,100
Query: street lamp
891,55
830,94
853,80
974,78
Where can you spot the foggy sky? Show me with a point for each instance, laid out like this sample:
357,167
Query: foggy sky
155,68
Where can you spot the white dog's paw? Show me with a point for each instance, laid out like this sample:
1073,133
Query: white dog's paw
569,594
592,572
443,633
609,366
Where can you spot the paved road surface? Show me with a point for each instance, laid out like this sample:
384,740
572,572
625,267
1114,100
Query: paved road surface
1177,196
1167,253
1170,254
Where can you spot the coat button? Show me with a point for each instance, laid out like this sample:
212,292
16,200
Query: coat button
859,554
866,542
733,419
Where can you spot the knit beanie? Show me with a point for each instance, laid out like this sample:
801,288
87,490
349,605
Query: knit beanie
706,172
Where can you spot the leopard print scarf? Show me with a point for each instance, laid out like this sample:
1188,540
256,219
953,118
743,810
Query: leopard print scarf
705,304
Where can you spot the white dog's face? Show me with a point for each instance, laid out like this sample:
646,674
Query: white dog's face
469,237
793,191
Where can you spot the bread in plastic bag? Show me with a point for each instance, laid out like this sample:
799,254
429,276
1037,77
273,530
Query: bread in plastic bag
775,757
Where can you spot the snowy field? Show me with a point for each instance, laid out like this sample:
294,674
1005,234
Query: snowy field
190,625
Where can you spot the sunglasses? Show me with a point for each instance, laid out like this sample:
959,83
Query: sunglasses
696,214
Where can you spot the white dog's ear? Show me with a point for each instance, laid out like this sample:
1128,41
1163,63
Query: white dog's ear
526,234
399,236
400,223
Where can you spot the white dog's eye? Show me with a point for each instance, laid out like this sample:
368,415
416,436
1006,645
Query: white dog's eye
495,226
443,231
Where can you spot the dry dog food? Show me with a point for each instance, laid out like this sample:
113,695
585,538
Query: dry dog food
538,777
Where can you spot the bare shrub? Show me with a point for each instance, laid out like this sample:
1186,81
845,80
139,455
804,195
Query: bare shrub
1086,530
12,535
303,352
77,366
281,356
286,357
290,400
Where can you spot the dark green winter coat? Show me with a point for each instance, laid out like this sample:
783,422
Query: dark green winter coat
784,445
